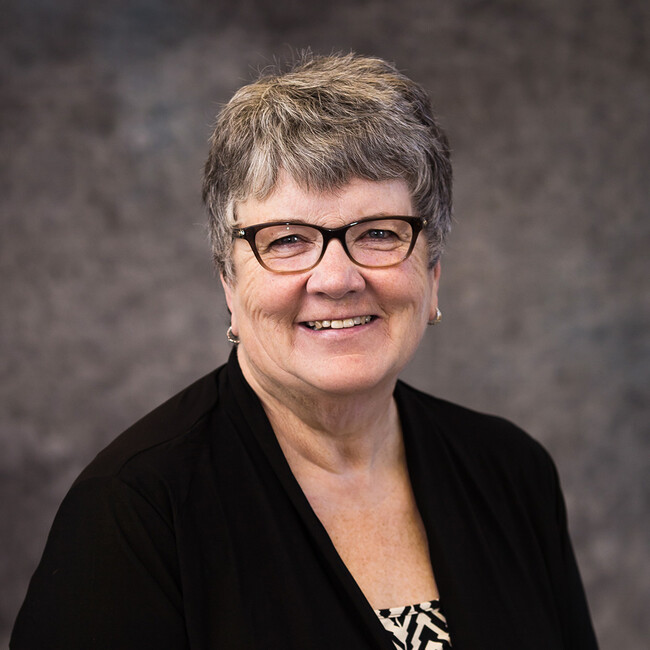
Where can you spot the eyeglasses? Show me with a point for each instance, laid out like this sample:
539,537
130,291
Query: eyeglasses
294,247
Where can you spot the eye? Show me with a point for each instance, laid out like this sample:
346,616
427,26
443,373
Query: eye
379,233
287,245
287,240
372,236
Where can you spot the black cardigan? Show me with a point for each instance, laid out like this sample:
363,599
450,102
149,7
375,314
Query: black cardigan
190,531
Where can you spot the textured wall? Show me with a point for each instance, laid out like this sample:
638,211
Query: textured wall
108,300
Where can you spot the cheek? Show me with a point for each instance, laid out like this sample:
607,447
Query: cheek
411,289
269,301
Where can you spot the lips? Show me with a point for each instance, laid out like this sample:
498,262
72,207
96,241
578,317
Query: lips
338,324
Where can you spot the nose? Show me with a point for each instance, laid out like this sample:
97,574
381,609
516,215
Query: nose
336,274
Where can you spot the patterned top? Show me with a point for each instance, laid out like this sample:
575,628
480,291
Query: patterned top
416,627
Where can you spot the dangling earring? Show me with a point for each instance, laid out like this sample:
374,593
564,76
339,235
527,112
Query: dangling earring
437,318
231,337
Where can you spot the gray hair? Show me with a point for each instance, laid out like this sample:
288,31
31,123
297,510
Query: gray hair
326,121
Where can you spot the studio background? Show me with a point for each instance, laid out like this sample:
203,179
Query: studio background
109,303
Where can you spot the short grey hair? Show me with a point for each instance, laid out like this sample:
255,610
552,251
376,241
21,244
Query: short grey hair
325,121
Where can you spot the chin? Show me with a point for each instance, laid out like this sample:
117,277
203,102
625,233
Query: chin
342,379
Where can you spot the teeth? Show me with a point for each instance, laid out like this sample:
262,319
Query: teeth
339,324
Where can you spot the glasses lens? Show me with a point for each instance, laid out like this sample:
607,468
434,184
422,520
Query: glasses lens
381,242
292,247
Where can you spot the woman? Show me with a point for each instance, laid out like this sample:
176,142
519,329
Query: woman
301,496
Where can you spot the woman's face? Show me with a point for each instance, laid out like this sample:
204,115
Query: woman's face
279,351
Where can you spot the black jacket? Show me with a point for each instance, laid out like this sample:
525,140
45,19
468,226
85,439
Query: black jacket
190,531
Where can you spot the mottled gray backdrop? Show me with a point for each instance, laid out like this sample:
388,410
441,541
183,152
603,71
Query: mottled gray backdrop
109,304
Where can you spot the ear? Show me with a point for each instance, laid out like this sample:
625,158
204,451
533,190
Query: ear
228,290
435,281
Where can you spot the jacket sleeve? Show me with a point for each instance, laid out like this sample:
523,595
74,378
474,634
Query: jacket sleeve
573,611
108,577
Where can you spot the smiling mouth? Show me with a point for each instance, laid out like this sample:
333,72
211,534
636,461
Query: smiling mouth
338,324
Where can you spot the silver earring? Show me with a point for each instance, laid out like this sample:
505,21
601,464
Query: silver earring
231,337
437,318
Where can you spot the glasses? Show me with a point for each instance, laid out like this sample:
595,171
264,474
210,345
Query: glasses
294,247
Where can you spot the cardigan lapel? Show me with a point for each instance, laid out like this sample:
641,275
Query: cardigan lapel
259,433
432,498
473,591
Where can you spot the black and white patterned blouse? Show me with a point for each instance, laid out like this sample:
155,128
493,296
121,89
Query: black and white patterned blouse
417,627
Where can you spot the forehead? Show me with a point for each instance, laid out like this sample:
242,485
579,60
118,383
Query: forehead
358,199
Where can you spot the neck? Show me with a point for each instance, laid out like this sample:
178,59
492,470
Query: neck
339,434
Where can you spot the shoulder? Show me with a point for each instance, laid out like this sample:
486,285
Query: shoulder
483,442
166,436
